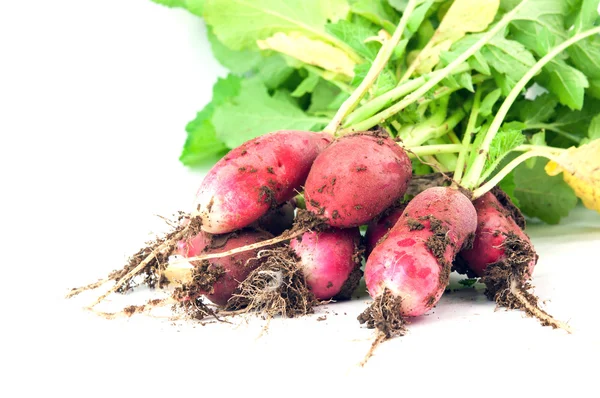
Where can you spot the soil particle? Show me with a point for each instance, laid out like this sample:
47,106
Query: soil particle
267,195
385,314
414,225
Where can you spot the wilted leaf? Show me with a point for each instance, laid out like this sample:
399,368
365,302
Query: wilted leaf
464,16
581,170
310,51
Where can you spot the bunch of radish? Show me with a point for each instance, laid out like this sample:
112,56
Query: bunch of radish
275,223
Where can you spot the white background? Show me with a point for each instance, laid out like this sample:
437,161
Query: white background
94,97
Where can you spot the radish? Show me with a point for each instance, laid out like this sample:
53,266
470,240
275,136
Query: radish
255,177
218,279
379,227
356,178
503,256
407,273
499,238
330,261
318,265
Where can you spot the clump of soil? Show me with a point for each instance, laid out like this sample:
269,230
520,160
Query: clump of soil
277,287
384,314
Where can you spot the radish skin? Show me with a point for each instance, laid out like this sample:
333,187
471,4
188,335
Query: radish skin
255,177
356,178
378,228
494,226
330,261
232,270
413,263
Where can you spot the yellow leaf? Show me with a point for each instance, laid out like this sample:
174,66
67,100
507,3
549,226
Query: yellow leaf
311,51
581,170
463,16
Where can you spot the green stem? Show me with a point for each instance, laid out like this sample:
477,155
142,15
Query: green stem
383,115
508,168
385,100
419,136
466,142
384,54
475,171
424,150
549,127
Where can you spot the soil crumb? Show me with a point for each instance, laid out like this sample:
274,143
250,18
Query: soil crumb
385,315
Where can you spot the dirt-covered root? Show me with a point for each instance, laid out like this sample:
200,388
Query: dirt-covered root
151,260
507,282
385,315
277,287
305,222
131,310
76,290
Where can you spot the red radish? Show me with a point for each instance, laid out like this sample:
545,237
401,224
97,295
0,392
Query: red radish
330,261
219,279
410,269
503,256
497,237
255,177
379,227
356,178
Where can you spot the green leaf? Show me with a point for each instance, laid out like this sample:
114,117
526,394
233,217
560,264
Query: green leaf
539,195
418,16
202,145
254,112
566,82
487,104
587,16
594,88
504,142
594,129
322,97
385,81
539,24
478,62
509,58
585,55
238,62
468,282
239,23
378,12
536,139
354,35
540,110
399,5
193,6
273,71
307,86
